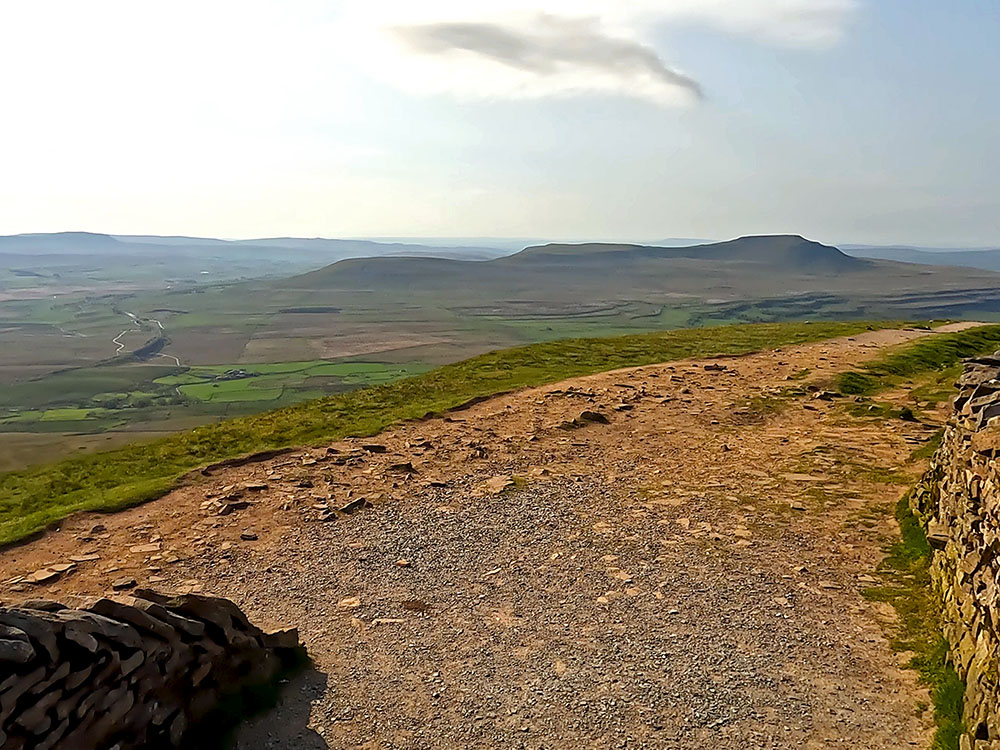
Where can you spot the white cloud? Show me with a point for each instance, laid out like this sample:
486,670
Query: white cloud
123,110
514,48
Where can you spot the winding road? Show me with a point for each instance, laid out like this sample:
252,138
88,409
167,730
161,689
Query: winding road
138,322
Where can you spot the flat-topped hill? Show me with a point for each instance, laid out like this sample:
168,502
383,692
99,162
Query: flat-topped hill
783,253
745,267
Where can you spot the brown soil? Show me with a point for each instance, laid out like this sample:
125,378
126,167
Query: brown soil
688,575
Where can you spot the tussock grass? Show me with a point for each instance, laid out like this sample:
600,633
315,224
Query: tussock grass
33,498
908,589
921,356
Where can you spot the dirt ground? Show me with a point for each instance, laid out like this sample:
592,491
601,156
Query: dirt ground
521,573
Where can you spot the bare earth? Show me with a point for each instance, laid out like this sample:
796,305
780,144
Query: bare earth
687,576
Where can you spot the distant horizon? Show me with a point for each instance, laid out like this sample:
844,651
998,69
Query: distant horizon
855,119
507,241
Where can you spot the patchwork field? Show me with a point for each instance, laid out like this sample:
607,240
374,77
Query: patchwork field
152,353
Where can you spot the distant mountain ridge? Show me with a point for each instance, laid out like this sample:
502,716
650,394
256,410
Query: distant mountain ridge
594,264
987,259
317,248
784,251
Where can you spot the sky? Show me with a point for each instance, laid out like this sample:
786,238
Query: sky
868,121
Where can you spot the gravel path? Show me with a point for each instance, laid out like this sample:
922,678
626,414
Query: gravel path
686,575
515,623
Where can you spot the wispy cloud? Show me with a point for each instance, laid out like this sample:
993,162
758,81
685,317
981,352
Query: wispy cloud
535,48
554,54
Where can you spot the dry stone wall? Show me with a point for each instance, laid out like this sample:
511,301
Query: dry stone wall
116,674
958,501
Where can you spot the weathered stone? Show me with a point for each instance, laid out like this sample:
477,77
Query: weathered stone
185,625
34,718
45,605
60,673
498,484
958,502
145,549
36,625
126,675
15,648
44,575
133,616
282,639
107,629
233,505
20,685
54,736
353,506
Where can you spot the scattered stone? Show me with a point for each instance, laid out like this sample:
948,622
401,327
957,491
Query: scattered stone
233,505
354,505
123,584
43,576
496,485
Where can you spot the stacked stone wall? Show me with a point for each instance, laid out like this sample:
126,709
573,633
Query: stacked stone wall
958,502
116,674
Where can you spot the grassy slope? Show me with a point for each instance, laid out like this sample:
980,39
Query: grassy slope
936,353
33,498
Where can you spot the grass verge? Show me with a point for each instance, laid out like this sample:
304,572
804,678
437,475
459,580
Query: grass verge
924,355
907,587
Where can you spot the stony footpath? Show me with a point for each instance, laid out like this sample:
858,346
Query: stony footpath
669,556
122,674
959,502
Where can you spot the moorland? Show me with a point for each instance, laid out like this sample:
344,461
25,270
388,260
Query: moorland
108,340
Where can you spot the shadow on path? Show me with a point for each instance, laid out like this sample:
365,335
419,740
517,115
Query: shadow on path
285,723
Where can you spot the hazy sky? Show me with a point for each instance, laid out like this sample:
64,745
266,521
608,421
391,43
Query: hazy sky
844,120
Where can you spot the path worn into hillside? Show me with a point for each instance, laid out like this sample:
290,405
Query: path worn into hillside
686,576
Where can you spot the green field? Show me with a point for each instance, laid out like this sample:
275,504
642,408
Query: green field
32,498
114,395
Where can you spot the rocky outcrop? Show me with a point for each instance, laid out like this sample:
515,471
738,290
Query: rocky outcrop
958,501
126,673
